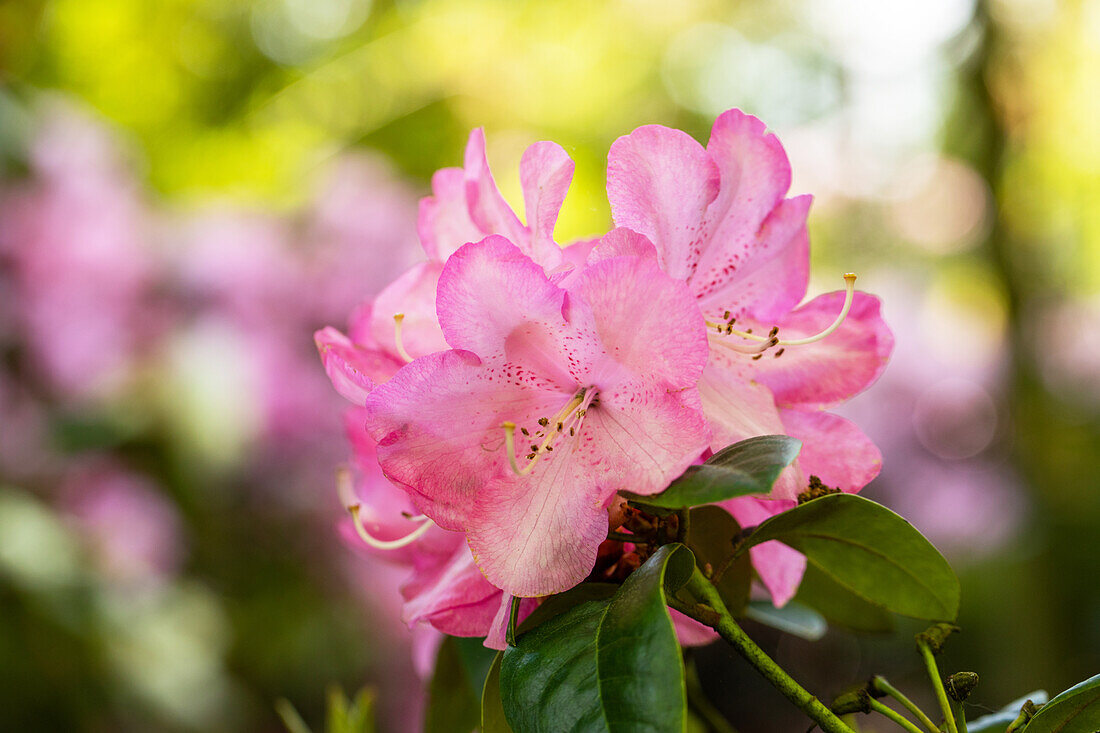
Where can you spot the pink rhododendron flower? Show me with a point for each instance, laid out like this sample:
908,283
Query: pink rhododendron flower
465,206
603,373
720,221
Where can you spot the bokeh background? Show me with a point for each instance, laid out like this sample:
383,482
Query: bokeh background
188,188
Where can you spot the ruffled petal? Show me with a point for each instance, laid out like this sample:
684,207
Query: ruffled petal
353,370
827,372
762,272
444,222
833,449
545,172
647,324
660,182
491,296
414,295
488,209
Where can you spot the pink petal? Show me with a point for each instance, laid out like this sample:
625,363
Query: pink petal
660,182
538,534
414,295
354,371
454,597
488,209
491,295
444,223
545,172
766,275
833,449
827,372
647,324
622,242
780,568
438,423
689,631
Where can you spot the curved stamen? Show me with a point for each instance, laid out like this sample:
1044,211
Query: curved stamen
398,320
728,330
347,496
567,419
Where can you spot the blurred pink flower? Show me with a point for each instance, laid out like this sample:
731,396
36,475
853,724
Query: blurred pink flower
719,219
73,238
131,529
605,372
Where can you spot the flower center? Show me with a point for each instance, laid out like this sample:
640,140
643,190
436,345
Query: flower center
552,430
725,328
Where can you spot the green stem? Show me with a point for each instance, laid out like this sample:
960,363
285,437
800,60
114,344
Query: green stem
754,655
960,717
880,684
895,716
937,683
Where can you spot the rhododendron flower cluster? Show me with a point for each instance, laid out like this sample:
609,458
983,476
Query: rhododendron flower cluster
509,388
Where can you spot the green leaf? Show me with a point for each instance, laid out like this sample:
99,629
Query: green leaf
793,618
869,550
612,664
492,709
710,537
453,706
749,467
840,606
562,602
1077,710
998,721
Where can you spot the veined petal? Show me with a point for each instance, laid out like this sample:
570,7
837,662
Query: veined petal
545,172
497,638
353,370
488,209
762,272
439,427
833,449
444,222
622,242
660,182
827,372
647,324
490,292
414,295
780,568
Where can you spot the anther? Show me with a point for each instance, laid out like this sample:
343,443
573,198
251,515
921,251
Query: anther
398,320
543,421
779,353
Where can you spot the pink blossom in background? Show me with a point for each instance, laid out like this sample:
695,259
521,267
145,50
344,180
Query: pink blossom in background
74,242
605,372
720,221
132,531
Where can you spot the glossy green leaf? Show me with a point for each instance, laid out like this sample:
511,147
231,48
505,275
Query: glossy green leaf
492,708
748,467
869,550
711,538
603,665
1077,710
560,603
793,618
840,606
998,721
453,705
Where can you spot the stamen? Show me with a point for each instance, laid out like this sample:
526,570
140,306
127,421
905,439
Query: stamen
569,417
398,319
771,340
347,496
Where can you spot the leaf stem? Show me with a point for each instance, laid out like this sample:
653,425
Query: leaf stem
937,683
893,715
881,685
754,655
